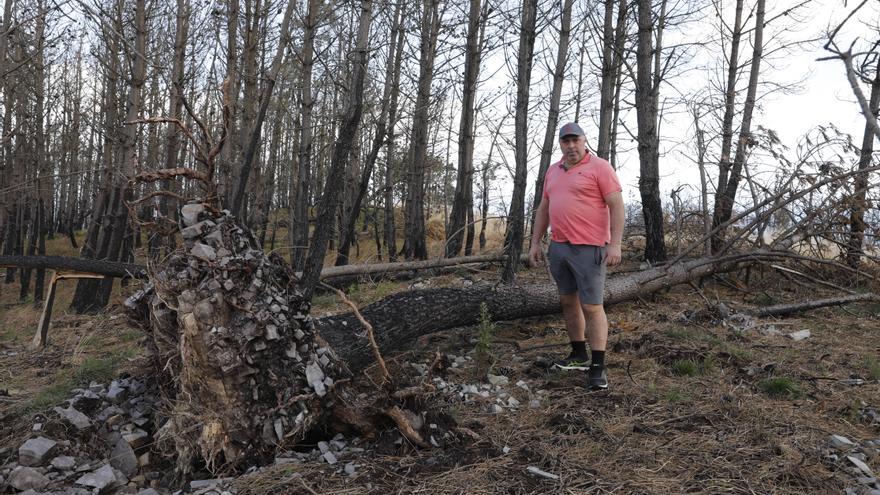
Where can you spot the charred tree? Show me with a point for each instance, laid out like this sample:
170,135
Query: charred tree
513,237
414,244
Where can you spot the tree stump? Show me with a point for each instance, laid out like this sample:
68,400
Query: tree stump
245,374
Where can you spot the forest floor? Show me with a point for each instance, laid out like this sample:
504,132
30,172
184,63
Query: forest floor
696,404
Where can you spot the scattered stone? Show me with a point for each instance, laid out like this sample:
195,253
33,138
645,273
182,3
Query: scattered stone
190,214
63,463
523,385
117,392
203,251
100,478
350,469
506,449
79,420
137,438
497,380
27,478
800,335
534,404
123,458
841,443
38,427
324,447
330,458
36,451
147,491
496,409
202,484
315,377
861,465
512,402
543,474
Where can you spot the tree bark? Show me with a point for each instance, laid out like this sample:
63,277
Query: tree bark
256,128
378,140
646,114
725,197
388,191
463,198
414,244
553,114
513,238
860,186
299,221
330,199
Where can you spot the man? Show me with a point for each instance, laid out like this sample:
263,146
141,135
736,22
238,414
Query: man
583,205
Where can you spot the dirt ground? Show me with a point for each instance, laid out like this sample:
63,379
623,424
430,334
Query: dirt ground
696,404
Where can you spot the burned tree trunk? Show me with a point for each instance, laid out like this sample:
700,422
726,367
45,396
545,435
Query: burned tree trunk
399,320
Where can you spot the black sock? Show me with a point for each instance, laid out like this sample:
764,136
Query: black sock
579,349
598,358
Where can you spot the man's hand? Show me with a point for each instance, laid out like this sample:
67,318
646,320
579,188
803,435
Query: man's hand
536,255
612,254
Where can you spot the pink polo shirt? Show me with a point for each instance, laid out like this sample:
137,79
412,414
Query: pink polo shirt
578,212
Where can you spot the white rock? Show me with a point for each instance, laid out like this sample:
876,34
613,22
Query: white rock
861,465
99,478
540,472
190,214
523,385
324,447
64,462
534,404
203,251
330,458
27,478
496,409
36,451
350,469
512,402
800,335
841,443
79,420
315,377
506,449
497,380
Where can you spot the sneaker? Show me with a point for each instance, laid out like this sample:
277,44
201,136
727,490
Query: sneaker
573,362
597,379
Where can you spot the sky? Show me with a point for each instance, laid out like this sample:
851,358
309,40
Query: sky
818,94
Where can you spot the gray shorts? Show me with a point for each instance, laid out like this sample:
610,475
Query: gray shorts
578,268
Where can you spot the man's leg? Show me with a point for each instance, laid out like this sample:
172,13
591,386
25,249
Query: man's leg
597,328
574,326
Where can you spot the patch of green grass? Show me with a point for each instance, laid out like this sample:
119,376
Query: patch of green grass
684,367
694,367
676,396
780,387
92,369
873,366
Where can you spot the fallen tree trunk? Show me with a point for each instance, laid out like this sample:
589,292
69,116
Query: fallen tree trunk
400,319
790,309
117,269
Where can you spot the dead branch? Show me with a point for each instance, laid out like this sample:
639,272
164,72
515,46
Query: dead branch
789,309
386,377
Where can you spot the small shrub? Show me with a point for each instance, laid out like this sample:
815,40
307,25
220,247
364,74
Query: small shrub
482,350
684,367
873,366
780,387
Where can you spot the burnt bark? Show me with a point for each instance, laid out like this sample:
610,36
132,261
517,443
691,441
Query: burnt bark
513,237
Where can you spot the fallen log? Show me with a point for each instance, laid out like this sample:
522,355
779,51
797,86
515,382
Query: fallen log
400,319
790,309
133,270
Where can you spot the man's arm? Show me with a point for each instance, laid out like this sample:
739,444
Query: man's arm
615,208
542,221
